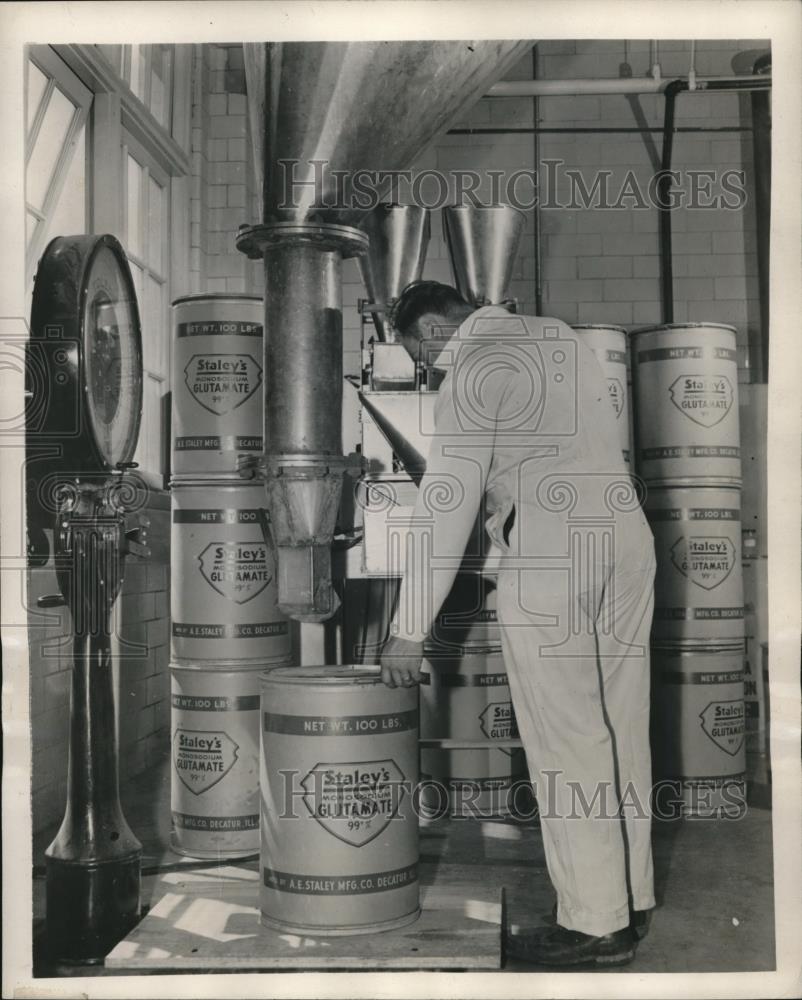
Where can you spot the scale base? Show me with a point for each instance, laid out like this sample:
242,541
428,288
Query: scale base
90,907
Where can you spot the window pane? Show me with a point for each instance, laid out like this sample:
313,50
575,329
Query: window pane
30,227
161,64
37,82
69,215
149,448
49,144
154,333
155,225
133,218
137,80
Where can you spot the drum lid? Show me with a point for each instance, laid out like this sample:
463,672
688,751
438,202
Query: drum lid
328,676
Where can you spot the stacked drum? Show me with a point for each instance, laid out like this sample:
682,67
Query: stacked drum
688,454
609,344
226,626
468,767
339,771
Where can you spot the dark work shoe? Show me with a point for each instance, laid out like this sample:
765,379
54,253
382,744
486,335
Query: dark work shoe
559,946
639,921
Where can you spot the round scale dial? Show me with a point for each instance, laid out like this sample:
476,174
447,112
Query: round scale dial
112,358
88,343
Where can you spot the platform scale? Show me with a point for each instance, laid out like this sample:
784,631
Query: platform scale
84,403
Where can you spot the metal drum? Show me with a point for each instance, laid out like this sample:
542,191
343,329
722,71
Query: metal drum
217,382
609,344
698,588
467,697
222,584
339,829
214,786
468,615
686,387
698,729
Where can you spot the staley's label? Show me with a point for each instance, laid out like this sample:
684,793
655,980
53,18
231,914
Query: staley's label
222,382
704,399
723,722
354,801
202,758
616,391
497,721
236,570
706,560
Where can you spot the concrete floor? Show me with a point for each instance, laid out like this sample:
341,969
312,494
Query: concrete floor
714,879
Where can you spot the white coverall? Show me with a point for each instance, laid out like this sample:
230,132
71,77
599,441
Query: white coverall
523,419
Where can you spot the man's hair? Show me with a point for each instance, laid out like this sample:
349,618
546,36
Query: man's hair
422,297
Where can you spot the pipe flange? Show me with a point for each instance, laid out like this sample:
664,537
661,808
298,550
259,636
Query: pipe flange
254,241
311,465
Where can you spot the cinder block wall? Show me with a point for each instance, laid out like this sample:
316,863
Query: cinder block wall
603,265
223,182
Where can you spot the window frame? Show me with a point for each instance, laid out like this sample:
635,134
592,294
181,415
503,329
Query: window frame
59,74
119,117
161,371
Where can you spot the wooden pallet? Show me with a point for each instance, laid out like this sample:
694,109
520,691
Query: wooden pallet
209,919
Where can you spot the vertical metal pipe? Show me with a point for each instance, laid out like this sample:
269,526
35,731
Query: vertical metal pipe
303,464
761,146
664,202
665,179
303,350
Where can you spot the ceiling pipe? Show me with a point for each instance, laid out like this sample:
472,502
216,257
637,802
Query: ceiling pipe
578,87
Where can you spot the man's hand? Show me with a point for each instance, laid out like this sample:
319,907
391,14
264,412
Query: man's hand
401,662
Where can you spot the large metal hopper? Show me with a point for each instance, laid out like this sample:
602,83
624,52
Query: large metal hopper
323,114
482,244
353,108
399,235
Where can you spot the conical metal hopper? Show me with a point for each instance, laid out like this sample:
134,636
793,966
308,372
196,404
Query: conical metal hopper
482,244
356,107
324,115
399,236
